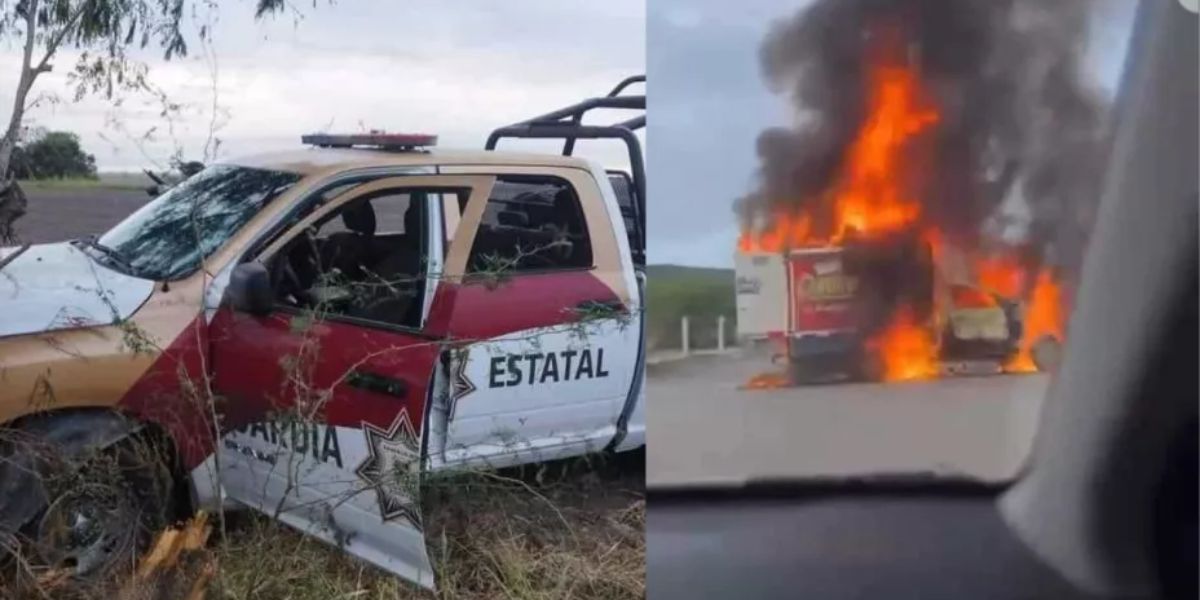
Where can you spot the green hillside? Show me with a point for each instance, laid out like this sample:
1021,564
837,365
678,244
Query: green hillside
700,293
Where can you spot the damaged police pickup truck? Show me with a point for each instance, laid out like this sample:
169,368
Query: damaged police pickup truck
306,333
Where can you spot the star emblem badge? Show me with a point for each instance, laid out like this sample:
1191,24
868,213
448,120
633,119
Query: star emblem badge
460,385
392,468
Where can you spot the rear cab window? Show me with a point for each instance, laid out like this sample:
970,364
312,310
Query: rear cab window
531,223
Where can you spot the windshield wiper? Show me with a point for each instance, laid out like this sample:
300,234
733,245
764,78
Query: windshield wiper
112,253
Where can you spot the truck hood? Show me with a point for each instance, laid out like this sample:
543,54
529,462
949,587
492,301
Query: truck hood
58,286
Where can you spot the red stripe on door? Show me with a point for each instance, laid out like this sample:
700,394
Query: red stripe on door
489,309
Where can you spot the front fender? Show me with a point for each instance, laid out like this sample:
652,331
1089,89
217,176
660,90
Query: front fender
74,434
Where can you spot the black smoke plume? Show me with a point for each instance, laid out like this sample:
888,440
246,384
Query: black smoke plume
1016,114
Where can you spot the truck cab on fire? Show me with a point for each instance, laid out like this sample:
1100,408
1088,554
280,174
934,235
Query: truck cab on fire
307,333
830,311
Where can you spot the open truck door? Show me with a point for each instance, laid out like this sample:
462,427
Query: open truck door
329,379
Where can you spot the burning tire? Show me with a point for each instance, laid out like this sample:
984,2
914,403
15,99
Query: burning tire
1046,353
870,368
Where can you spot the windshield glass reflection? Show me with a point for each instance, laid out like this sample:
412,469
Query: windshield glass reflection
169,237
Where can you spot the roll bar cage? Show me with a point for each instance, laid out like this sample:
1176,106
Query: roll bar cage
567,124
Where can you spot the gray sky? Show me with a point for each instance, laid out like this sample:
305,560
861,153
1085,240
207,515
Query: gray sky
709,104
458,69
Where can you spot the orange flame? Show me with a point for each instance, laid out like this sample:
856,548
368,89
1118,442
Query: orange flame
786,231
906,348
868,198
1001,274
871,200
969,297
1043,317
767,381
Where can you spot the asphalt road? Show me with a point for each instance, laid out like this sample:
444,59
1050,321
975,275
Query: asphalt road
703,430
56,214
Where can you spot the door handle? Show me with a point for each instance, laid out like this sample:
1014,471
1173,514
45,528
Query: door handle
379,384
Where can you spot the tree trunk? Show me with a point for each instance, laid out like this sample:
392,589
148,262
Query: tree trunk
9,142
12,200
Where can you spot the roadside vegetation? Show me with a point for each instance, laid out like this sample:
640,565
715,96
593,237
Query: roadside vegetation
566,529
571,529
56,160
52,155
701,294
94,37
102,181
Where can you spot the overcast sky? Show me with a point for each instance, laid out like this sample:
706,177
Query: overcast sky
458,69
709,103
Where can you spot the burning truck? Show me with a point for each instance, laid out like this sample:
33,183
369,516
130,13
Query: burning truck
865,249
828,312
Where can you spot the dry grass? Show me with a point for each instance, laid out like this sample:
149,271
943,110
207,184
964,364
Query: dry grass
104,181
577,531
560,530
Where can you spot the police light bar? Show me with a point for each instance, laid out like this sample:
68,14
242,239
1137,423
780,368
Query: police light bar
386,141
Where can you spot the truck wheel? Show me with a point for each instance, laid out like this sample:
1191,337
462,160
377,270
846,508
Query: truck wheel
809,373
102,511
870,368
799,374
1046,353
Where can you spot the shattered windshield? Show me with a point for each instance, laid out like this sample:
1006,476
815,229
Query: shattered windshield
169,237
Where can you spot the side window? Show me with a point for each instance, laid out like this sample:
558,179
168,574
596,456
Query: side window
389,210
531,224
453,204
365,261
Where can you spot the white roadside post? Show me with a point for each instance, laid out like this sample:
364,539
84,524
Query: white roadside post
720,333
684,336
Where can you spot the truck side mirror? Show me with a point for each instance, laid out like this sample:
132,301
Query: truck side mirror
250,290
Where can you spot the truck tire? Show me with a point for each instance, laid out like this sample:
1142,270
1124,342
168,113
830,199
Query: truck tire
97,511
1046,353
810,373
836,368
870,368
799,374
